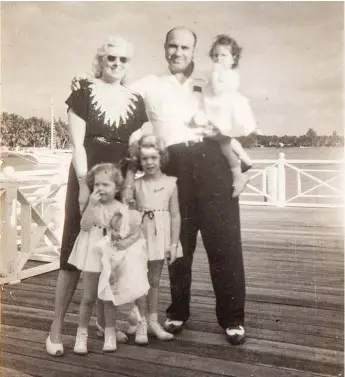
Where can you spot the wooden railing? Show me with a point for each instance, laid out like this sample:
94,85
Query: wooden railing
32,216
301,183
32,206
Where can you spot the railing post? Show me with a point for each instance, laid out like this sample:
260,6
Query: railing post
271,188
8,252
281,180
299,183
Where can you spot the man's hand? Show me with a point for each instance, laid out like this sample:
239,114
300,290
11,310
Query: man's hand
170,254
75,83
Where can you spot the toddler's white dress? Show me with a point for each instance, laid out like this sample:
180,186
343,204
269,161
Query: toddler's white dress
226,107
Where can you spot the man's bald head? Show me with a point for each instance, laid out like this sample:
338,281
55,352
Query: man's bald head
181,28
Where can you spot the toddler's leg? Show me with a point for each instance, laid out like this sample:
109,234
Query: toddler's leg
141,331
154,276
133,318
246,162
90,285
240,180
109,331
121,337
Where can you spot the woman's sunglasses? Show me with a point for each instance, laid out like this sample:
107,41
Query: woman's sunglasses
112,58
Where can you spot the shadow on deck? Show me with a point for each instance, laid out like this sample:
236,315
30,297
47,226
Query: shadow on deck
294,270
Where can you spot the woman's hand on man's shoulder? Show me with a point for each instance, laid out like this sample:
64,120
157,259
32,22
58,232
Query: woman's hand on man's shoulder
75,83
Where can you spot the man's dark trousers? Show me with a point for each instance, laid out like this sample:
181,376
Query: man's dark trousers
206,204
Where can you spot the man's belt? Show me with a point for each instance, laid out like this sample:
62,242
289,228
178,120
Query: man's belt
189,143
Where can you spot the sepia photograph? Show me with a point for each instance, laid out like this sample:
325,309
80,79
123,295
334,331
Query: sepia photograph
172,189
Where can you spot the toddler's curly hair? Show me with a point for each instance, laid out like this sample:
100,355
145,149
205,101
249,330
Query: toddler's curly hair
227,41
113,170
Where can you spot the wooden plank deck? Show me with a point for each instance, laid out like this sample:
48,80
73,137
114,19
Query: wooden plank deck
294,270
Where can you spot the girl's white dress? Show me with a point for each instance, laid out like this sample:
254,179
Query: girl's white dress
123,273
227,108
84,256
153,199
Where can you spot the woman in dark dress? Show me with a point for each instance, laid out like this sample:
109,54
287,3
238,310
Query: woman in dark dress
102,115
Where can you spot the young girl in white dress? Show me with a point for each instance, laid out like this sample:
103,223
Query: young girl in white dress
221,105
156,198
111,251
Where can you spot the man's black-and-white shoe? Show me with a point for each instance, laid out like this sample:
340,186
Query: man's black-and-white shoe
235,335
173,326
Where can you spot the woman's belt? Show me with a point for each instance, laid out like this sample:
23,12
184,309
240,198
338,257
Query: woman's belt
104,140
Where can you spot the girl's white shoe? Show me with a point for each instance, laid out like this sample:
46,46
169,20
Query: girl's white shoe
155,329
141,334
109,340
54,349
121,337
80,346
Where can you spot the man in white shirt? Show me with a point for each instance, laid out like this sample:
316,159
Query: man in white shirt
205,189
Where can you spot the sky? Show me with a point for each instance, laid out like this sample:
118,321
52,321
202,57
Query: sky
291,69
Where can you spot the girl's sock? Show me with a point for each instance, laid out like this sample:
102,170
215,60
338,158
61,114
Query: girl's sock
153,317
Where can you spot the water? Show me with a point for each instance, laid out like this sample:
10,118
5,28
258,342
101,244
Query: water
297,153
22,164
255,153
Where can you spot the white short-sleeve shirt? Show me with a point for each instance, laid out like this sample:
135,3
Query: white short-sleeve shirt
170,106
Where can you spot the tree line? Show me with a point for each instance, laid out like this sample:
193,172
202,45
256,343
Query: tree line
17,131
309,139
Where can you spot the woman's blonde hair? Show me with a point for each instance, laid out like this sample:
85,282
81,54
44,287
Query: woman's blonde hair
102,51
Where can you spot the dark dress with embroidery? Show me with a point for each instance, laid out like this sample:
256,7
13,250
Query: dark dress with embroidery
106,140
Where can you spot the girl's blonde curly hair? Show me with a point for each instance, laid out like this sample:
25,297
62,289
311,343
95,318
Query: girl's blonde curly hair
149,141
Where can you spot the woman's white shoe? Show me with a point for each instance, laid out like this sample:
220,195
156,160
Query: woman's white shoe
80,346
54,349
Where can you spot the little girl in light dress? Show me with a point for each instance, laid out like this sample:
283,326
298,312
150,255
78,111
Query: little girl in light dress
156,198
111,251
222,106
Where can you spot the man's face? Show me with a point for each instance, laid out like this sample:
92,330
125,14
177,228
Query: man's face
179,50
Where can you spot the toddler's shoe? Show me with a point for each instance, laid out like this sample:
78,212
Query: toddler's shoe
245,166
109,340
121,337
141,334
80,346
240,181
